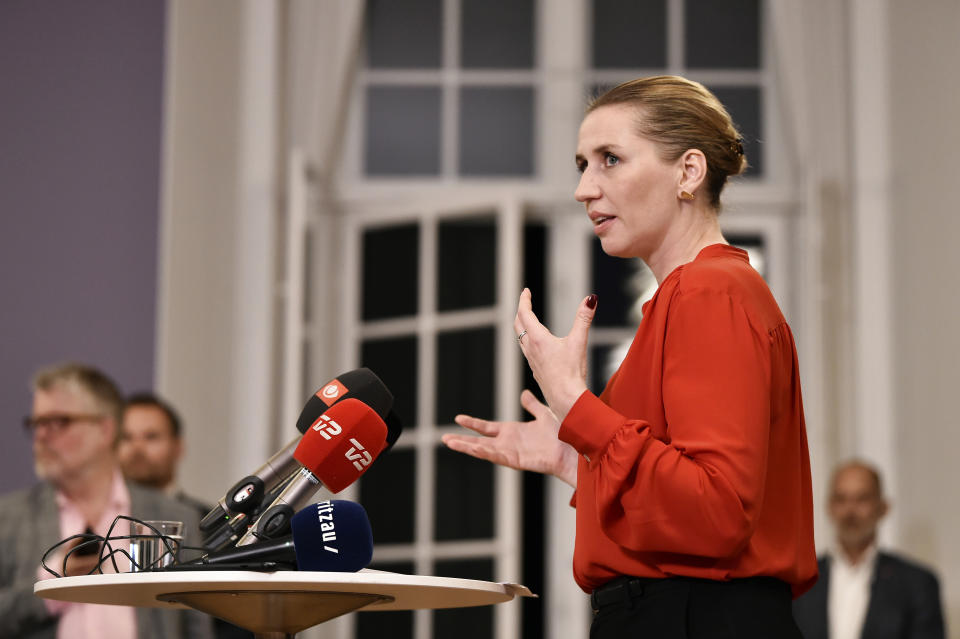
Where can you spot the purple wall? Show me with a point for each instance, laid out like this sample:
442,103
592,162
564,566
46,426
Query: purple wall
80,129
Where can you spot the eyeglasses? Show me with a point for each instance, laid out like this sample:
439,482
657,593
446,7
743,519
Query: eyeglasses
56,423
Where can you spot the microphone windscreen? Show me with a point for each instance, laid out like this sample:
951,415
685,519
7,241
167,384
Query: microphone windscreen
342,443
360,383
394,428
332,535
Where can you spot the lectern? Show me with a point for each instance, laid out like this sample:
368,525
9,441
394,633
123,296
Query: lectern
279,604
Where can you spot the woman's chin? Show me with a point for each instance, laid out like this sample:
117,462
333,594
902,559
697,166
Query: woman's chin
615,249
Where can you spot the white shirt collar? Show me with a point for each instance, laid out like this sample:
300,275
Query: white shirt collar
868,559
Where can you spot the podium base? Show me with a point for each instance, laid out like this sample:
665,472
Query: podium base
274,613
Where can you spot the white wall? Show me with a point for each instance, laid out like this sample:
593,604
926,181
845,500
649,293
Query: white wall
216,339
925,143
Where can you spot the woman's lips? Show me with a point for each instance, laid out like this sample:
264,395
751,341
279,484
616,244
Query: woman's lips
601,222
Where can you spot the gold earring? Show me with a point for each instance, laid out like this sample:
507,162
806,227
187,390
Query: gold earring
685,195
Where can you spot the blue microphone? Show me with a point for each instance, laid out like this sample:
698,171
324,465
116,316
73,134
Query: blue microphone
332,535
329,536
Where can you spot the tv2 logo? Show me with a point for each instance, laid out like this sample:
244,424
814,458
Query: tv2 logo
328,429
359,455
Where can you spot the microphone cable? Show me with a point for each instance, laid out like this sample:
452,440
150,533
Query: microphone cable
92,543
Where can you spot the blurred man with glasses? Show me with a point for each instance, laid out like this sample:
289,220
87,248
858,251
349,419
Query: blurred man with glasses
74,425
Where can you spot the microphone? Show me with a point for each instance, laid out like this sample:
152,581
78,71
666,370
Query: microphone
394,428
330,536
232,514
338,448
360,383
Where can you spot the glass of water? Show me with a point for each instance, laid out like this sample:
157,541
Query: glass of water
148,550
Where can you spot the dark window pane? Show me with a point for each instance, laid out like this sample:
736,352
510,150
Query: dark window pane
618,283
387,492
466,253
744,106
397,624
394,360
535,278
604,362
497,34
374,624
756,248
496,131
464,496
402,130
465,365
465,623
722,35
628,34
535,266
533,554
390,272
404,34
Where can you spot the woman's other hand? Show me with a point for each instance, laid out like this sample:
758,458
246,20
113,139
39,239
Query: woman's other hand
531,445
559,364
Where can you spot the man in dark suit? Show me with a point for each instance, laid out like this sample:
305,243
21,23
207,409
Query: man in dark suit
74,425
864,593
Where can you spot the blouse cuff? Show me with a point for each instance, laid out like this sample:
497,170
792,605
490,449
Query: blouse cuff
590,425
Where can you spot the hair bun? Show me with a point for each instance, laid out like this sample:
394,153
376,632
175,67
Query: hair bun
737,146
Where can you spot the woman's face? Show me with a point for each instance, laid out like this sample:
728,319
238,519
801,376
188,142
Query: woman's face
629,192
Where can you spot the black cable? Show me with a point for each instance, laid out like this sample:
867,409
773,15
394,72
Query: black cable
106,550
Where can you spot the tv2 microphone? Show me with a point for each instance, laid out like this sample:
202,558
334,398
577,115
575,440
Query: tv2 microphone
232,514
360,383
338,448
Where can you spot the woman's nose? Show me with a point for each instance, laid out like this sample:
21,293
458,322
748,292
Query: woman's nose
587,188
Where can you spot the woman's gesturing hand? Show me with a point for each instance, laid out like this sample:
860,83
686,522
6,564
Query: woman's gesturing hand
559,364
531,445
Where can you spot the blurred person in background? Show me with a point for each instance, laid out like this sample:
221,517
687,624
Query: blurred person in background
74,425
863,592
151,447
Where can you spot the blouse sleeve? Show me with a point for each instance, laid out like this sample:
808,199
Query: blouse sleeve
698,491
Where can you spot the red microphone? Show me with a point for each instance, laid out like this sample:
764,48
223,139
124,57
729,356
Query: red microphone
334,451
342,443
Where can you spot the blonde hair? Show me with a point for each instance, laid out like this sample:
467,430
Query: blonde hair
90,380
678,115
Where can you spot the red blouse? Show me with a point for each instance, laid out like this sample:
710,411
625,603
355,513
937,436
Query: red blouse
694,459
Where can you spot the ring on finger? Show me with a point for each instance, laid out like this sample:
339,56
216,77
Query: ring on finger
520,336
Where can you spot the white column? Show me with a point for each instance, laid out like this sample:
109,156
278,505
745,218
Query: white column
870,84
255,237
563,38
568,611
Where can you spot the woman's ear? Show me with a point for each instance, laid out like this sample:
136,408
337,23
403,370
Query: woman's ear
693,166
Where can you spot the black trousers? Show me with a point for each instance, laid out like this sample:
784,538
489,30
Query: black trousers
688,608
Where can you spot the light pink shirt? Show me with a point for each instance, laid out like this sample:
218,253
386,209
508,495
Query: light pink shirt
95,621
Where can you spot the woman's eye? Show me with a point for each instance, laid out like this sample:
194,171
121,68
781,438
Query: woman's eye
581,167
610,159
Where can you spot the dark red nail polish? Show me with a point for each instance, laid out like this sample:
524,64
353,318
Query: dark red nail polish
592,301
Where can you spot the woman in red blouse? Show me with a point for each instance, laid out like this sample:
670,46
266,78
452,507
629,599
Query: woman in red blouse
692,476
